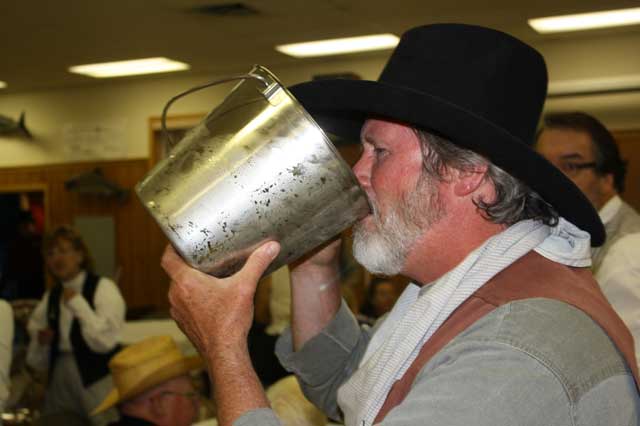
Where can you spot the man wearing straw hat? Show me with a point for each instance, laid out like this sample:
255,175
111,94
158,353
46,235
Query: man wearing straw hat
503,323
152,385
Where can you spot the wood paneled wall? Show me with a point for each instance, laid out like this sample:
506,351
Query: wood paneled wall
629,144
139,241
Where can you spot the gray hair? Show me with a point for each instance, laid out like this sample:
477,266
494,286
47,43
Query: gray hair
514,201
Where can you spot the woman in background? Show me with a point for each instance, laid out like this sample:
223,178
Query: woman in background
75,329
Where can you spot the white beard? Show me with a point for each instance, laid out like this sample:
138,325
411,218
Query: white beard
384,250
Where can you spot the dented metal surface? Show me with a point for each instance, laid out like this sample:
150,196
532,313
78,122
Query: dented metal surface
257,168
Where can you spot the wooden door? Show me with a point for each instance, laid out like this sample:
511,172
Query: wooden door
629,144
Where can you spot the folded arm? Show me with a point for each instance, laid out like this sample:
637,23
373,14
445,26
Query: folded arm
101,326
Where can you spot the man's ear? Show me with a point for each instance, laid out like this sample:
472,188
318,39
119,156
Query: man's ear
607,185
468,181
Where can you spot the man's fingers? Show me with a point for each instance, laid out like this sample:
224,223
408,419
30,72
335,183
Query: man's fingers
175,266
259,261
170,260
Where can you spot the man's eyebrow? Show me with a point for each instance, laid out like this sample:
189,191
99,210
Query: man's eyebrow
367,138
572,156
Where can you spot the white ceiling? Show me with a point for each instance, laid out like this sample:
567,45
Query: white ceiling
42,38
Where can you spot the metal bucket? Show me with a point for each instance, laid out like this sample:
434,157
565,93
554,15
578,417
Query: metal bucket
255,169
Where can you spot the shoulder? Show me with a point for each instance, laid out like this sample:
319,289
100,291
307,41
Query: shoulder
536,361
555,336
107,289
106,283
629,218
627,243
622,255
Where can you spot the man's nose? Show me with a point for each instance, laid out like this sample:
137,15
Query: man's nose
362,170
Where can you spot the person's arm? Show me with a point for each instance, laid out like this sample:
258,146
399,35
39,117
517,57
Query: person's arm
37,326
326,360
324,343
619,279
6,351
100,327
315,294
216,314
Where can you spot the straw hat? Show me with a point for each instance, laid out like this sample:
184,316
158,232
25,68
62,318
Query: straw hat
143,365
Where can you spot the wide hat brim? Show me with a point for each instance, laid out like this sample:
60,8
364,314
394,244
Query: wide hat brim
175,369
340,107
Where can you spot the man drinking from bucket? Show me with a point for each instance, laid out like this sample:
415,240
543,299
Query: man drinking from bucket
504,323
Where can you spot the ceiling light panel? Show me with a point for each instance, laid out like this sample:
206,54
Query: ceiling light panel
339,46
586,21
133,67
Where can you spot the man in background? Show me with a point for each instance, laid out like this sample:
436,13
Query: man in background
584,150
152,385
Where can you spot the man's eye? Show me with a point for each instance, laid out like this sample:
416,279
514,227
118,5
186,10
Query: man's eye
379,152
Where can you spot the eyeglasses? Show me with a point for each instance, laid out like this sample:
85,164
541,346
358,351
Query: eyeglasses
572,169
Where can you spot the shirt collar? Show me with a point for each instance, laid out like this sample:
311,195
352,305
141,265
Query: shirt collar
76,282
609,210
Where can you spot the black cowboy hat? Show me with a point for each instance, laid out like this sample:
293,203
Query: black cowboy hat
480,88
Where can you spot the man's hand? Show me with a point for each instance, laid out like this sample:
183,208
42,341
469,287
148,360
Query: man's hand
215,313
45,336
67,294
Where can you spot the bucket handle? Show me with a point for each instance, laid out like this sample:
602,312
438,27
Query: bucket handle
204,86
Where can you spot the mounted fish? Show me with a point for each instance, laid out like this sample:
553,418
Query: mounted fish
94,183
10,127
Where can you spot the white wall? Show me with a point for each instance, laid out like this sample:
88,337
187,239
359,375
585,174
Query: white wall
572,58
60,119
67,123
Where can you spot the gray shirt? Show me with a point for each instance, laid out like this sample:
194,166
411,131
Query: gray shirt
531,362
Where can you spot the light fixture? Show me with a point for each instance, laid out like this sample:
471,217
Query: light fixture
3,84
133,67
339,46
609,84
585,21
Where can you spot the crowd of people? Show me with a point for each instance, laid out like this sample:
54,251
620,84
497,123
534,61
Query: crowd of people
73,342
505,281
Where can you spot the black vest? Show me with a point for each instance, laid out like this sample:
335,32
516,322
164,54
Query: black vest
92,366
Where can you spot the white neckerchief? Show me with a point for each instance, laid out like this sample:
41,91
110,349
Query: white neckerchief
418,314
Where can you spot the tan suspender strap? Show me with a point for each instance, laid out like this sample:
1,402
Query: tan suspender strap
531,276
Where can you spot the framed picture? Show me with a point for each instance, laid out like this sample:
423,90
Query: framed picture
159,143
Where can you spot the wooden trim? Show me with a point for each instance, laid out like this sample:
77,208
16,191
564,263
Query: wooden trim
139,241
23,187
32,187
628,141
53,166
626,134
178,121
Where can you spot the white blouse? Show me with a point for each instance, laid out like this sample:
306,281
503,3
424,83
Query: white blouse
100,328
